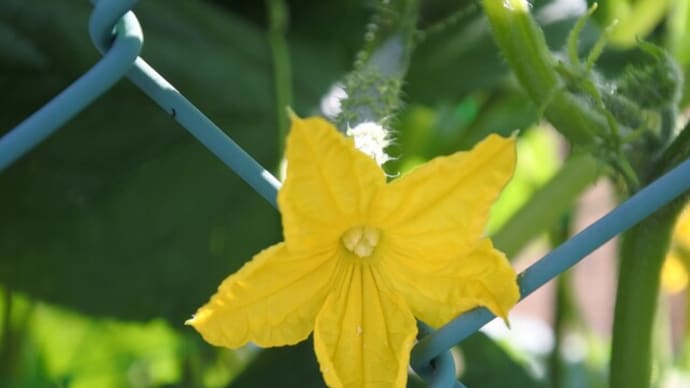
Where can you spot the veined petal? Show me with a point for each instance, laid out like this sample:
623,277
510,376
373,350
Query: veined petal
271,301
364,334
436,294
329,185
443,206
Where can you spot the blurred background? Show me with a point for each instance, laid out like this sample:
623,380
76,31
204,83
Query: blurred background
116,229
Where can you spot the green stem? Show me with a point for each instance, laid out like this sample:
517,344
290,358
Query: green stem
192,369
643,250
560,192
565,306
524,46
374,86
448,21
282,78
6,344
637,20
675,153
564,310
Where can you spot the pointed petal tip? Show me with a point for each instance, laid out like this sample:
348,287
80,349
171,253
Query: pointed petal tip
291,114
197,319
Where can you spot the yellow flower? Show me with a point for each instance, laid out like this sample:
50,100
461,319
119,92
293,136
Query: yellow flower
674,273
362,257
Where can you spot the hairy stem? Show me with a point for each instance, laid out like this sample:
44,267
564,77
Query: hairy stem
643,250
282,77
374,86
524,46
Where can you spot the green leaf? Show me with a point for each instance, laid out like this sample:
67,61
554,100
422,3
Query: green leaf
462,56
488,365
560,192
121,212
289,366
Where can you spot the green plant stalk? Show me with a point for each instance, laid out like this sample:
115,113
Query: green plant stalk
636,20
6,343
282,76
577,173
16,326
642,253
523,44
565,309
675,153
676,36
374,86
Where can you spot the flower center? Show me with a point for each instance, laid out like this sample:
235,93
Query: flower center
361,240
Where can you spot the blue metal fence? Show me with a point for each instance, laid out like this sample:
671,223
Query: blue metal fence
118,35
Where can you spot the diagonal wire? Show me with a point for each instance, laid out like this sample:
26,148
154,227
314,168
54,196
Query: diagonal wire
626,215
101,77
121,51
201,127
188,116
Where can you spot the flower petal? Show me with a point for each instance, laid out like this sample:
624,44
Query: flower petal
443,205
438,294
272,300
681,232
364,334
329,185
674,273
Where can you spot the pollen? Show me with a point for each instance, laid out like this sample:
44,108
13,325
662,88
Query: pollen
361,240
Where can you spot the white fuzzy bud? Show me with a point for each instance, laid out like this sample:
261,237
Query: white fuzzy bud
372,139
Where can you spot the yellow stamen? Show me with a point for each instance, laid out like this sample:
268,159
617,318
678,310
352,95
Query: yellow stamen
361,240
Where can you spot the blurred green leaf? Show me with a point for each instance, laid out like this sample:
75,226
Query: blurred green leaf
104,353
488,365
121,213
428,131
560,192
17,51
463,56
537,162
289,366
56,347
634,19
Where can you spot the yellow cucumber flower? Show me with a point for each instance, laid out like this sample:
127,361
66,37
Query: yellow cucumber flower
362,258
674,273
